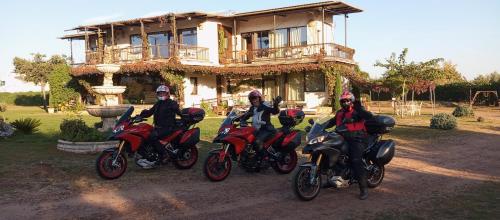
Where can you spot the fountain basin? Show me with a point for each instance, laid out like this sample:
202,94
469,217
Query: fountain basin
108,68
107,111
109,90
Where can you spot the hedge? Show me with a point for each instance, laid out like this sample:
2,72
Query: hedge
22,98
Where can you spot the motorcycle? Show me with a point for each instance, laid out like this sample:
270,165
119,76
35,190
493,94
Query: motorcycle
132,135
328,156
237,142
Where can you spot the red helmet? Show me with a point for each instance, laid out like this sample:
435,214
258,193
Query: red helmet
253,94
347,95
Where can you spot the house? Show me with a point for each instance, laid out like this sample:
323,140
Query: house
220,57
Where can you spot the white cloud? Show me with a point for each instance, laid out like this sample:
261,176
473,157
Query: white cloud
102,19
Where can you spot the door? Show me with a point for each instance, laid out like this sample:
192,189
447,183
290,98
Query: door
159,45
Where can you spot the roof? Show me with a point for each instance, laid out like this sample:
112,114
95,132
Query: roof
333,7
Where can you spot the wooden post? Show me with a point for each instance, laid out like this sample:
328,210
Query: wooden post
173,28
71,50
345,29
87,58
100,46
145,54
235,38
218,81
112,43
274,35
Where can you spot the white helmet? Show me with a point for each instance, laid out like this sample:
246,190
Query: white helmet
162,88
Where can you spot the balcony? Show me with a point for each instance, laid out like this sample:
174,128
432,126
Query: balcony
150,53
294,54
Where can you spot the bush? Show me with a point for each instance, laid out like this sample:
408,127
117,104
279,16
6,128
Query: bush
461,111
76,130
3,107
443,121
480,119
61,93
26,125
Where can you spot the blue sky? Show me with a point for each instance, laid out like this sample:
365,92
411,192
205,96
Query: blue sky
463,31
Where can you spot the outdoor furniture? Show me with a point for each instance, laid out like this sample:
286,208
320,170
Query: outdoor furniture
219,110
411,109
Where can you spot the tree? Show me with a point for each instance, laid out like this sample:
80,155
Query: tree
450,74
37,70
487,78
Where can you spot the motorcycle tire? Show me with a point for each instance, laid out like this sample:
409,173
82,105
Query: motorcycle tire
187,159
301,180
287,164
375,176
105,168
211,164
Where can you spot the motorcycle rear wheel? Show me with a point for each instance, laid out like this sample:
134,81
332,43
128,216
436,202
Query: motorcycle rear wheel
287,164
105,167
375,176
302,187
217,171
187,159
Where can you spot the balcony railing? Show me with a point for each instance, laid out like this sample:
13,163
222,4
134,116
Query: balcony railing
327,50
152,52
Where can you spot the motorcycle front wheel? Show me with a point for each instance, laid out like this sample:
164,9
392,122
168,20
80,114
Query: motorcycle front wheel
375,175
108,168
216,170
187,158
302,186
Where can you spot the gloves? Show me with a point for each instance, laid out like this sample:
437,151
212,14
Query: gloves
277,100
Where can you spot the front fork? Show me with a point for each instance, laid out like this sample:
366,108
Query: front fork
117,153
223,152
314,168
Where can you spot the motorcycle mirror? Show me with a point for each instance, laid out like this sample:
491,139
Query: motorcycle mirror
311,121
307,129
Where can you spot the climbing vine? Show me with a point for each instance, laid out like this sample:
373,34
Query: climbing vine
174,80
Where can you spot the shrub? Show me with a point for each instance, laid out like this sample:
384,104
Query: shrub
461,111
3,107
61,92
206,107
480,119
76,130
26,125
443,121
22,98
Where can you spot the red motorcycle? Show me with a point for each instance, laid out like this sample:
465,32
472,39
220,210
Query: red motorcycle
238,145
132,134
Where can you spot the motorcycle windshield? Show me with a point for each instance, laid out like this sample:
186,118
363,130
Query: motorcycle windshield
126,115
319,127
230,118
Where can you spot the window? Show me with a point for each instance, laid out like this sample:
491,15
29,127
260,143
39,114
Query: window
188,37
194,83
263,40
2,83
136,43
315,81
298,36
159,44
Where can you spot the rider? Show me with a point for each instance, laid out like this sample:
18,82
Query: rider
260,112
164,111
351,118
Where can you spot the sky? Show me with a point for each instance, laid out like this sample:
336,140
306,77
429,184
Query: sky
464,32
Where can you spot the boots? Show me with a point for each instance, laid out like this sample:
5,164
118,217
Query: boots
363,194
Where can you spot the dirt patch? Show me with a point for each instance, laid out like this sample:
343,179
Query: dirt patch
427,166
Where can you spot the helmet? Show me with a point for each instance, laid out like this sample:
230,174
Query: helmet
347,95
162,88
254,93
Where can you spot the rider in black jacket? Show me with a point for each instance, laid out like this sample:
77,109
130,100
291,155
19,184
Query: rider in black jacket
163,111
260,112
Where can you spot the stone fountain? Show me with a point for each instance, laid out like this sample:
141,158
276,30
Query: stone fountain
110,109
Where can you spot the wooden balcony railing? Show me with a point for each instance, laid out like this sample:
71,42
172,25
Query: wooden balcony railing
328,50
154,52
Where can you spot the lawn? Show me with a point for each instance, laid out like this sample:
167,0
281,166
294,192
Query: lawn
31,163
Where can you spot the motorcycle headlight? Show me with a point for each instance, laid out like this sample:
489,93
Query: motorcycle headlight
317,140
118,129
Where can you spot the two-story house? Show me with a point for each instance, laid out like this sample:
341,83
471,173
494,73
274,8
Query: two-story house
222,56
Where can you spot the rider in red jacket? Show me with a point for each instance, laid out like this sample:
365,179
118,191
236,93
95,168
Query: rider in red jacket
350,120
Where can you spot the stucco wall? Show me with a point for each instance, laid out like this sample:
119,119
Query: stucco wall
206,89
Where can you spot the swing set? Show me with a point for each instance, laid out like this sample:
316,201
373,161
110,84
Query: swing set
485,94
